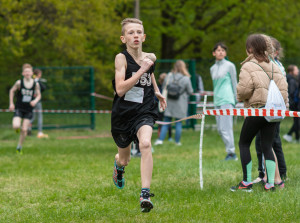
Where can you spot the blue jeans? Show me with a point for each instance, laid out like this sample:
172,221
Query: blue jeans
164,129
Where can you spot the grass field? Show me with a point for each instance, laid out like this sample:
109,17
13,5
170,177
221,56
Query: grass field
70,180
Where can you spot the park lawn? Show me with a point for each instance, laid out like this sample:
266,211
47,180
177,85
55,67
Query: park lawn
70,180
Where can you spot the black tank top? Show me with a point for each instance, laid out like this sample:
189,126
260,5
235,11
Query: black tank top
128,110
25,96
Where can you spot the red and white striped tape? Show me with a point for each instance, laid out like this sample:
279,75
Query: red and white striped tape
69,111
252,112
259,112
102,96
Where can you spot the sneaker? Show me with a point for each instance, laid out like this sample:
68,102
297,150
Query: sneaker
158,142
19,151
269,188
145,202
41,135
288,138
280,185
178,144
242,186
257,180
231,156
118,178
170,140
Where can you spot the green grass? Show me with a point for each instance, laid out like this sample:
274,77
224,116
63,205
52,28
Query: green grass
71,181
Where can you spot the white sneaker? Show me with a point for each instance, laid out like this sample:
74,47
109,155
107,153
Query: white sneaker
288,138
158,142
257,180
178,143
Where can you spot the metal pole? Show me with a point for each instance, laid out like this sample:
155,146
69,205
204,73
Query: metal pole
201,142
137,9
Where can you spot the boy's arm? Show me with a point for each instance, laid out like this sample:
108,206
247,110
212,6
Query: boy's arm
162,99
122,85
12,91
38,95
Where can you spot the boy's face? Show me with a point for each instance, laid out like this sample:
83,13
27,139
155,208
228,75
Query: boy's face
219,53
27,73
133,35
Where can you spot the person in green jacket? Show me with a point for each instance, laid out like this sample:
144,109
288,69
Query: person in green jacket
223,74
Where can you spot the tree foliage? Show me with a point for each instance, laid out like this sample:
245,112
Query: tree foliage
68,33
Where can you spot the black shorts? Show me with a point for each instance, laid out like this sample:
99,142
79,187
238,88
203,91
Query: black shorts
23,114
123,140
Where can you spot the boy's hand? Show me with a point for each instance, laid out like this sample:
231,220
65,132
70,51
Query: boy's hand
162,100
11,107
146,64
33,103
151,56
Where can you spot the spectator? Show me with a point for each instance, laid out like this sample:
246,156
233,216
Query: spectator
38,106
292,79
223,74
177,108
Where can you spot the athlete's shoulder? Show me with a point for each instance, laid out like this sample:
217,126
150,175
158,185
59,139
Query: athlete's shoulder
120,59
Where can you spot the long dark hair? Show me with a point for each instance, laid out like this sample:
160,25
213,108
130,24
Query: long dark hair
257,45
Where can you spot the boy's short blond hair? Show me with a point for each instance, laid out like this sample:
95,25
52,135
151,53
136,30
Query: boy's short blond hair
129,20
26,65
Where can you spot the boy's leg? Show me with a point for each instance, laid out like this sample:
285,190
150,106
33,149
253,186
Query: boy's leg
23,134
225,127
122,159
144,135
16,122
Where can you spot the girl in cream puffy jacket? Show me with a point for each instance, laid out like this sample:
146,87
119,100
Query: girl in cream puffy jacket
252,89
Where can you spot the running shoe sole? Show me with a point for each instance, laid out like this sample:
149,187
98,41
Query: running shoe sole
146,205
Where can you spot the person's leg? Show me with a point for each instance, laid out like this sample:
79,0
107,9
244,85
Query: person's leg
144,135
267,137
250,128
163,132
226,130
23,133
170,133
277,147
16,122
178,132
40,116
259,156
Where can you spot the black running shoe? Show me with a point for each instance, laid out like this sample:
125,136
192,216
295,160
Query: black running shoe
242,186
118,178
145,202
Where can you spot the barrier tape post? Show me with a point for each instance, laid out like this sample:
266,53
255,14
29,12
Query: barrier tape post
201,143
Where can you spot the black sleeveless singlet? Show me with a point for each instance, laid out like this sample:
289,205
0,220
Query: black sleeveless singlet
24,97
127,114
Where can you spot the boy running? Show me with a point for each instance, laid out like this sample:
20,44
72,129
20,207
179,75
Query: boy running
134,110
26,89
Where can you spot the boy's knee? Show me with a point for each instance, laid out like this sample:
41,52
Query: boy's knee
145,144
16,126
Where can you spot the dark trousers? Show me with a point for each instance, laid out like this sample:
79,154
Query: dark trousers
251,126
295,128
277,147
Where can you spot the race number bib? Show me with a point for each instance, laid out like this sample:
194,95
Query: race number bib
26,98
135,94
